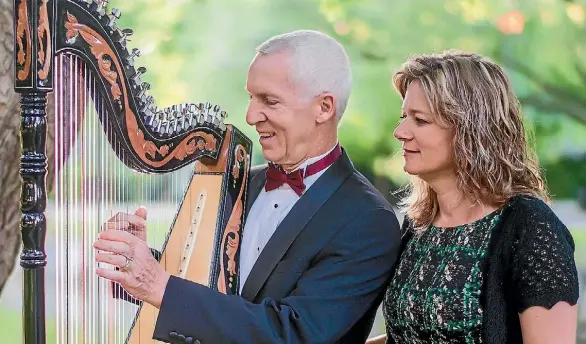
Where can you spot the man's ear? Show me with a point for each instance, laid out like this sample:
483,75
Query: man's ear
326,108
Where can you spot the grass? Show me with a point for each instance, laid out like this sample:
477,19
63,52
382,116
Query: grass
11,327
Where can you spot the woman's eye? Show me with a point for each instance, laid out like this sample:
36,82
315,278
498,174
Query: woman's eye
420,121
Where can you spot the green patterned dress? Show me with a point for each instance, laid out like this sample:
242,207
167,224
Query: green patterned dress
434,296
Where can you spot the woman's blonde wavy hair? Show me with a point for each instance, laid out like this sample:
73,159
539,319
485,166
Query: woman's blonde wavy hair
473,97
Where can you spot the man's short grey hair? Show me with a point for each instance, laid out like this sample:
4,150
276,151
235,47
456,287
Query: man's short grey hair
319,64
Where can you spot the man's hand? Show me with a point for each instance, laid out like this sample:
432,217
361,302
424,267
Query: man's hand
139,274
134,224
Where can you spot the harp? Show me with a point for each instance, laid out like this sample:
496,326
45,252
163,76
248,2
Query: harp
114,149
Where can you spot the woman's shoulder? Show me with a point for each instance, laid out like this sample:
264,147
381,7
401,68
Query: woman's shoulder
528,202
529,205
529,212
541,254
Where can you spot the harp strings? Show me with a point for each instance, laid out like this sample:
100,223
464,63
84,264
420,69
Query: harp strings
91,185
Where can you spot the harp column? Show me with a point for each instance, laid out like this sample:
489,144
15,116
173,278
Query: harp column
33,57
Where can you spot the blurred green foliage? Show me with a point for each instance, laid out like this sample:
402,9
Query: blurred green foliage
566,176
200,51
539,43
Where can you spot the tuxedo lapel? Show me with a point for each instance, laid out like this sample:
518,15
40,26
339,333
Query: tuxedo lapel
305,208
257,182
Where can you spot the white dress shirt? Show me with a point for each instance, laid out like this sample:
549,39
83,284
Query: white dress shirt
266,213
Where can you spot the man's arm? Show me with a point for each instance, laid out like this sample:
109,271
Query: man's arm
348,276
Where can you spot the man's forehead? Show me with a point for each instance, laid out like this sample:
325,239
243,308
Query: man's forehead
262,74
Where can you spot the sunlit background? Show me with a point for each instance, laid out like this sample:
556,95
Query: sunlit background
198,51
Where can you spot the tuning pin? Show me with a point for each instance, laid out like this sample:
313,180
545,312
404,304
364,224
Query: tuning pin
156,119
192,113
173,113
208,115
137,74
223,116
161,126
221,124
147,103
114,15
124,33
171,121
200,114
153,108
99,6
145,86
164,122
173,126
148,115
185,117
130,58
216,115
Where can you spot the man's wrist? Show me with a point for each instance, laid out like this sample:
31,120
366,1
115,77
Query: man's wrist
156,296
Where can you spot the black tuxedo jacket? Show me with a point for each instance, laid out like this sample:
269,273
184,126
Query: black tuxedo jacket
320,278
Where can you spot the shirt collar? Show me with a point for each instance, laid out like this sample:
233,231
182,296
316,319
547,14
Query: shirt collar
313,159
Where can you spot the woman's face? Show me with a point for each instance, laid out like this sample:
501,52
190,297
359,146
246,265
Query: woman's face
427,146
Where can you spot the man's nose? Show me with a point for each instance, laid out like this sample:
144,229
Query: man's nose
254,114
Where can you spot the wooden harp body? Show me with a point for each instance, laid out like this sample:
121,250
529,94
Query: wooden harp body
113,147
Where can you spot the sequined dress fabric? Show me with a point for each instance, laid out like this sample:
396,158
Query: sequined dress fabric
434,296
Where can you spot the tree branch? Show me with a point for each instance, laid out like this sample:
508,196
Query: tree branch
552,106
565,102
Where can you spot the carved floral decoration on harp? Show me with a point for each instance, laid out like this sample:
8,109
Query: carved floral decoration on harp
99,49
43,31
110,68
23,40
231,238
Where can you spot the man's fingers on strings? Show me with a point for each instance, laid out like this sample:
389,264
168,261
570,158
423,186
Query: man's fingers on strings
113,246
116,225
112,259
118,235
141,212
130,218
113,275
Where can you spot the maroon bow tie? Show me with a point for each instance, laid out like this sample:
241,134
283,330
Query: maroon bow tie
277,177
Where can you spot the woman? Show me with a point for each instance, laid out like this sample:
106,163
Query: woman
484,259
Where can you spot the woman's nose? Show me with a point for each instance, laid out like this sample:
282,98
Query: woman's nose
402,132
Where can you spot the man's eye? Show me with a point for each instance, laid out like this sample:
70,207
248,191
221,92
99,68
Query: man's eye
271,102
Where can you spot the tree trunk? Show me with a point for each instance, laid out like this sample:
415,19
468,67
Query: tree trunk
10,148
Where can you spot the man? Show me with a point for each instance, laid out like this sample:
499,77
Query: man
316,257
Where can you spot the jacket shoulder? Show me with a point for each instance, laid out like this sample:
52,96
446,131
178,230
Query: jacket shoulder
254,170
362,194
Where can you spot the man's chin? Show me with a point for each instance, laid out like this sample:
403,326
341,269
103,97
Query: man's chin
270,155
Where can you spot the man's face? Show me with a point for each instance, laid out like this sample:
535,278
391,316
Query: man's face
284,116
